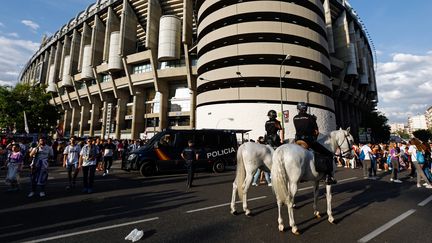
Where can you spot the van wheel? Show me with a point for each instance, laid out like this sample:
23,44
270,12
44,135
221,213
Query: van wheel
147,170
219,166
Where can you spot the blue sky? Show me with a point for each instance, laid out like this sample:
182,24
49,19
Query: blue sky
399,29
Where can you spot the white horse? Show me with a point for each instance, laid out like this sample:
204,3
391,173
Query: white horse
292,164
250,157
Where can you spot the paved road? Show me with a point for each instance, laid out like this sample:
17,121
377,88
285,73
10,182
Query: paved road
365,210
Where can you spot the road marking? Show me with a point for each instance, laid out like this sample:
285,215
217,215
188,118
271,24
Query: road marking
223,205
256,198
386,226
426,201
92,230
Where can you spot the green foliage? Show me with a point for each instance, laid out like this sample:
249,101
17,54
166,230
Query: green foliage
41,115
403,134
423,135
378,123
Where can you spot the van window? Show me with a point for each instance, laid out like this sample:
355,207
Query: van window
183,138
167,140
211,139
226,139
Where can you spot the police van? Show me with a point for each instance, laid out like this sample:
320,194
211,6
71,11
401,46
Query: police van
216,149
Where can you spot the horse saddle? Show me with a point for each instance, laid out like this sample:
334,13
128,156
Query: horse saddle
302,143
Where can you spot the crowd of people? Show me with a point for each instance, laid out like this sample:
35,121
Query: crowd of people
75,155
413,156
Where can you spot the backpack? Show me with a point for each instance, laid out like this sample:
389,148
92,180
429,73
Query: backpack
420,157
362,155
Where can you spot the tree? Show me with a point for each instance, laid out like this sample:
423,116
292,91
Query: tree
403,134
378,123
423,135
41,115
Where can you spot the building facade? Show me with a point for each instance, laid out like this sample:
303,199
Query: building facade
129,68
416,123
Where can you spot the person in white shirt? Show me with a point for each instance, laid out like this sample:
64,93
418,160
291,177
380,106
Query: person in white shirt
87,161
70,161
367,168
416,145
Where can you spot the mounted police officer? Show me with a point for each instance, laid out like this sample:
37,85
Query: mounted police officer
272,127
307,131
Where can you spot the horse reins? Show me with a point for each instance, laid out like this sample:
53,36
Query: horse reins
342,153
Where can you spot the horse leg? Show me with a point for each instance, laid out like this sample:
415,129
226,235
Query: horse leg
233,198
290,202
315,203
280,220
329,206
246,185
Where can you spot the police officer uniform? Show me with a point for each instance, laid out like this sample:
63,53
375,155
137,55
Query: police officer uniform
307,130
189,155
272,126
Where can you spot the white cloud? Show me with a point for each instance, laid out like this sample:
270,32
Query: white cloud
405,85
14,54
13,34
34,26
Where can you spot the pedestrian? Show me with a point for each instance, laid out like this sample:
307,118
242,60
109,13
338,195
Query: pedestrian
190,156
416,145
366,161
259,174
87,162
41,154
108,155
394,154
14,164
70,161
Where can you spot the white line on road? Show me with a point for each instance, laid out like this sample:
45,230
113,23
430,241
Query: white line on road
256,198
386,226
426,201
223,205
92,230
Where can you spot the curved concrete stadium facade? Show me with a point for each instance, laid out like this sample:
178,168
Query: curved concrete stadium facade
129,68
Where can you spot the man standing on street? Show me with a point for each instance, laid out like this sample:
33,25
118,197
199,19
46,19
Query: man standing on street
70,161
190,156
108,156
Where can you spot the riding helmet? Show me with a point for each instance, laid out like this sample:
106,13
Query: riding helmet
272,114
301,106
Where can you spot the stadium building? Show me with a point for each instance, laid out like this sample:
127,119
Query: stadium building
129,68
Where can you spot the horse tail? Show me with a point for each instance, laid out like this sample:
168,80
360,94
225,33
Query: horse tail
279,176
240,172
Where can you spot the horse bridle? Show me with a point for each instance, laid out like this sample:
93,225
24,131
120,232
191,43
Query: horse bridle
347,152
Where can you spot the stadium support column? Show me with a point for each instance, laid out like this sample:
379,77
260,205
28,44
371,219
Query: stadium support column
74,119
138,114
163,111
66,120
84,120
94,116
122,99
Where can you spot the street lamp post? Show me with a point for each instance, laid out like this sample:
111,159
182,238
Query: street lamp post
281,94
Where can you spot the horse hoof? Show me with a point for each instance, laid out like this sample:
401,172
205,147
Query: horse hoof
248,213
234,212
294,206
295,232
318,216
281,228
331,221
